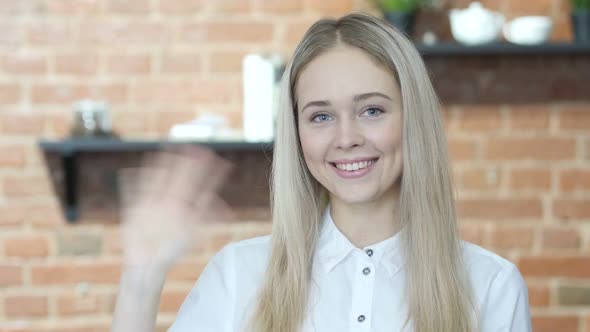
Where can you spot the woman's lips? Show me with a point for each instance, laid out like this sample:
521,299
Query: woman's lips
354,174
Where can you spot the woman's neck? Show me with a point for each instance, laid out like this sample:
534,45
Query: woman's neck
366,223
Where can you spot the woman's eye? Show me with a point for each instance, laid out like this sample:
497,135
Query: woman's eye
320,117
373,111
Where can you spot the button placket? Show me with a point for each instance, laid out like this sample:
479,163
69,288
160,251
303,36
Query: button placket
362,305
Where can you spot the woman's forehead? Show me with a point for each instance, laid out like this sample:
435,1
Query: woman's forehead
341,74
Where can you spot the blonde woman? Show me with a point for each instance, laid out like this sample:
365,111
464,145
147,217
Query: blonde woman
364,233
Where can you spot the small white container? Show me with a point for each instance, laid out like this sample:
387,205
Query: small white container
528,30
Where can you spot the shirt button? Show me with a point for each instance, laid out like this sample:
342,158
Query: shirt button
369,252
361,318
366,271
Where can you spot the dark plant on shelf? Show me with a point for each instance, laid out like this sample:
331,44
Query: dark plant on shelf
401,13
581,20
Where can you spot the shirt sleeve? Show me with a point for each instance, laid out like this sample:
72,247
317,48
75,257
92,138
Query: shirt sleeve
507,308
210,304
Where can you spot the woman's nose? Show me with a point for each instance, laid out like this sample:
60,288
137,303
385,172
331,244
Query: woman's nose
348,135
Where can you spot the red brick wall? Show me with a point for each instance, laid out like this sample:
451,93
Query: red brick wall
522,171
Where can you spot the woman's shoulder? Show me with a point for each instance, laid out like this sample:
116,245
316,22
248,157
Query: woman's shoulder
491,274
484,259
249,256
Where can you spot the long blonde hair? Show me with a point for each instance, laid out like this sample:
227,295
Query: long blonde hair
438,288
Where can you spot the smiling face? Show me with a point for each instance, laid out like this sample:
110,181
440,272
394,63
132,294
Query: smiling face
350,125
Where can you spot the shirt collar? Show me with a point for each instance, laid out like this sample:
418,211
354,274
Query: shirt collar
333,247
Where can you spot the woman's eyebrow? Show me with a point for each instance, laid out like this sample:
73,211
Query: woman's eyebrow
368,95
316,103
356,98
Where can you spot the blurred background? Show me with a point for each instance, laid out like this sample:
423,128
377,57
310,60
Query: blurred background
517,117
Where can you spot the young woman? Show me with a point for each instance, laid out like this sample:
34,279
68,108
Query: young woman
364,233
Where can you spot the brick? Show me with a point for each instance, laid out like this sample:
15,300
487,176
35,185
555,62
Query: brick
11,215
195,91
57,93
111,92
171,300
574,180
22,7
165,120
555,323
181,63
128,6
296,30
25,63
26,246
13,33
193,33
500,209
473,233
12,155
187,270
462,149
539,295
548,266
21,124
529,117
573,295
136,64
530,179
10,275
71,273
10,93
239,32
480,118
78,243
76,64
330,7
561,238
45,216
226,62
231,6
130,123
123,33
509,237
281,6
58,124
69,93
77,304
24,186
546,149
481,179
577,117
73,7
50,33
67,326
182,7
25,306
571,209
161,92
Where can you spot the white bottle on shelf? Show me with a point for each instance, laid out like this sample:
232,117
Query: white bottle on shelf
261,75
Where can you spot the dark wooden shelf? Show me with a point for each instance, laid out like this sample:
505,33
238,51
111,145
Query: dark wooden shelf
502,48
69,151
113,145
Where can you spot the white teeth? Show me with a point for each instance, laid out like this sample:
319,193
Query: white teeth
355,166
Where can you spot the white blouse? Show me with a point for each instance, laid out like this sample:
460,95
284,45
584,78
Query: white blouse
352,290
